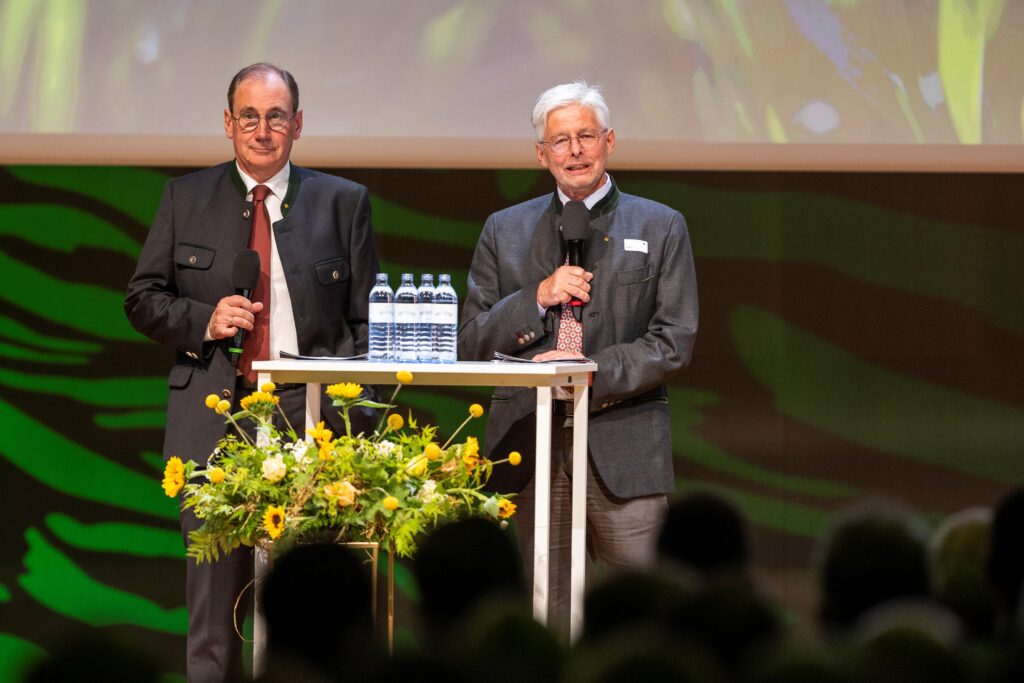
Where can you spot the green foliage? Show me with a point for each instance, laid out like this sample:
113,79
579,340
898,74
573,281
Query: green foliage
390,487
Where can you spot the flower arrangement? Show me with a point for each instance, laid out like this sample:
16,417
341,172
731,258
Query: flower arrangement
388,487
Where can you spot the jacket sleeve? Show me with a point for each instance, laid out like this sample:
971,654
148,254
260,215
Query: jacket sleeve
364,266
153,303
493,319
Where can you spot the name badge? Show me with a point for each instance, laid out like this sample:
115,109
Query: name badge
635,245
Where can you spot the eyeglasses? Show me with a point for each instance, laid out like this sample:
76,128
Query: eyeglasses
587,139
277,120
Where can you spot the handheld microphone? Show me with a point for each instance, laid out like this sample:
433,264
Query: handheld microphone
244,276
575,227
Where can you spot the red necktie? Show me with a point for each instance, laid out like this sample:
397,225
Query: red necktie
257,347
570,330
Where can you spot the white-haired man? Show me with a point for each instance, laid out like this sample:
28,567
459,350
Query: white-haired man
639,323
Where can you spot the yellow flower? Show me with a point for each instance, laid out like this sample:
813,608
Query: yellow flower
395,422
259,397
506,508
174,476
216,475
345,390
404,377
390,503
514,458
417,467
268,387
343,491
326,450
432,451
223,407
212,400
472,446
273,520
476,410
319,433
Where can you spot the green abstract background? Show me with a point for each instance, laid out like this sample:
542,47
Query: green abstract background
860,337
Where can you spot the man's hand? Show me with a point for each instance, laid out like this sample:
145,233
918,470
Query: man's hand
232,313
564,284
555,354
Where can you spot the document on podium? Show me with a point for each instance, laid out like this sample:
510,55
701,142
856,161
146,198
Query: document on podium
500,357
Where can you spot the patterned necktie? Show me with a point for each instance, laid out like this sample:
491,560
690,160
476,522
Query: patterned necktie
257,347
570,330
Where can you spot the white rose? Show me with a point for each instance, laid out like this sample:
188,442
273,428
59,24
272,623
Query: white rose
274,469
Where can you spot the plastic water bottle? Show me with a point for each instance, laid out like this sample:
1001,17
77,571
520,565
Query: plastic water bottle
446,320
425,320
406,319
382,320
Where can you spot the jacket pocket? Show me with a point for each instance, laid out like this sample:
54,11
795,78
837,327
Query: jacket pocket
180,376
634,276
193,255
332,271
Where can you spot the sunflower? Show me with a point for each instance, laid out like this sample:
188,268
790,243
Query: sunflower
345,390
273,520
258,397
506,508
174,476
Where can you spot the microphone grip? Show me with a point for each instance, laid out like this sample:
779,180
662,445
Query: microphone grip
576,259
238,341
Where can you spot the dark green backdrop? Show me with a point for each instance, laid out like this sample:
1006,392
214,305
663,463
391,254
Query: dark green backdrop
860,337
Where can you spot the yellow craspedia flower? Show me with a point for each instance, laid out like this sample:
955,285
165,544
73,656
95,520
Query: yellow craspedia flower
258,397
174,476
212,400
417,467
514,458
223,407
432,451
390,503
395,422
273,520
506,508
345,390
476,410
268,387
404,377
216,475
320,433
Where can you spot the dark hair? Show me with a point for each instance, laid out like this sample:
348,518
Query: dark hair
262,68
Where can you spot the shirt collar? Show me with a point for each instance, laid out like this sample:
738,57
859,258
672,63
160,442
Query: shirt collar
592,199
278,183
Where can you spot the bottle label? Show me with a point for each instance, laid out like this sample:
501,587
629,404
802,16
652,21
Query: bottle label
406,314
425,312
381,313
446,314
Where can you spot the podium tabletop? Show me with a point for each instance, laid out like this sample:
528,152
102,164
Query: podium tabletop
463,373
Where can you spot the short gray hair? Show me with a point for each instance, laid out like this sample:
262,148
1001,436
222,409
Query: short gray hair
563,95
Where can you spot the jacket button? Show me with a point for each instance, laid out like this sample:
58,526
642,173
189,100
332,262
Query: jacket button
246,213
191,260
226,393
335,275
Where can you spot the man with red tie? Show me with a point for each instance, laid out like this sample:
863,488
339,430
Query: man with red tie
317,265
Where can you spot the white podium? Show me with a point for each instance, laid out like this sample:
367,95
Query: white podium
543,376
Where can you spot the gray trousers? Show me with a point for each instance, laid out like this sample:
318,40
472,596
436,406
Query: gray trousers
621,533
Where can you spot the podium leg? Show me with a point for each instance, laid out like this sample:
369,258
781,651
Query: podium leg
579,511
542,514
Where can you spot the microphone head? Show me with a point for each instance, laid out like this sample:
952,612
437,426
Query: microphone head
575,220
246,272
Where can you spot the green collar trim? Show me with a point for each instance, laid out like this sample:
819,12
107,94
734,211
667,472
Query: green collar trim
289,197
606,205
